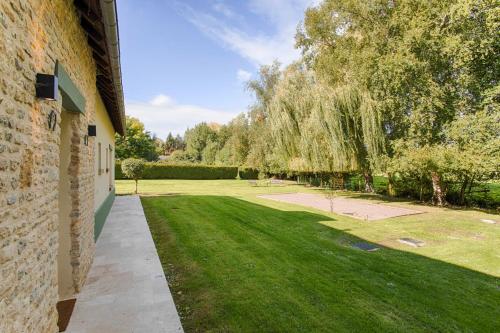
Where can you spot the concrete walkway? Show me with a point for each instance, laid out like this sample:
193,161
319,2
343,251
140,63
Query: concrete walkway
126,290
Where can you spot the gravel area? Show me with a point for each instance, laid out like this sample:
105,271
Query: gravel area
358,208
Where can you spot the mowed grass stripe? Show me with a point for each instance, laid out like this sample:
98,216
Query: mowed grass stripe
245,267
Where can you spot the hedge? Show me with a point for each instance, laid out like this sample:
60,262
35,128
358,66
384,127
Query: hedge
248,173
173,171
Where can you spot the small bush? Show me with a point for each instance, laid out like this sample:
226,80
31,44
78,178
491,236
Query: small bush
157,170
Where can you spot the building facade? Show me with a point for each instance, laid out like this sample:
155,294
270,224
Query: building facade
56,150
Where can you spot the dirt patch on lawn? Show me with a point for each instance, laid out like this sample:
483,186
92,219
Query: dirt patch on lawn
357,208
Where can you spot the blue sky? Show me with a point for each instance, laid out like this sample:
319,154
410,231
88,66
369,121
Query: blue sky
184,62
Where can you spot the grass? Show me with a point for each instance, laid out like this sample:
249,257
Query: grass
237,263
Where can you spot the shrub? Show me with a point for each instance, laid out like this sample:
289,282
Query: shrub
248,173
154,170
133,168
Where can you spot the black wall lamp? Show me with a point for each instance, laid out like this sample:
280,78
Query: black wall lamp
92,130
46,87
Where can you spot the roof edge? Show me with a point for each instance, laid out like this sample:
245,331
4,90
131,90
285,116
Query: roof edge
110,22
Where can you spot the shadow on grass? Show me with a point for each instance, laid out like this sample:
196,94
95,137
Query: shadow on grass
239,266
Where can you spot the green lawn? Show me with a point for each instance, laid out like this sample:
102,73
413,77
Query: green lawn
237,263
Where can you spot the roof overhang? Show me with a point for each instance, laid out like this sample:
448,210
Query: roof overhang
99,20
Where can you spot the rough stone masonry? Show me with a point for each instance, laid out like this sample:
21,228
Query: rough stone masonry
34,34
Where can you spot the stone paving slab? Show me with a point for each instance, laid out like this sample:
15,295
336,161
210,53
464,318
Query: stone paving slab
126,290
358,208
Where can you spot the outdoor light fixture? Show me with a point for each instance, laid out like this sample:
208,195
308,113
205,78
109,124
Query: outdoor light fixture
46,87
92,130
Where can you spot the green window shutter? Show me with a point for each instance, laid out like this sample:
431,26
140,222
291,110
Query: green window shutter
72,99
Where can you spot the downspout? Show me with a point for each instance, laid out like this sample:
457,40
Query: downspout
110,21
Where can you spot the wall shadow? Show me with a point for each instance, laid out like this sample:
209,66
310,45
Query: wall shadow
247,248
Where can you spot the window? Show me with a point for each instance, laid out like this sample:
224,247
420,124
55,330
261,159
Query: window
110,180
99,162
107,161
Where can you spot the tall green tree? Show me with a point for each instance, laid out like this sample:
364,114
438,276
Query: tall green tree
422,63
261,149
137,142
234,142
172,143
198,138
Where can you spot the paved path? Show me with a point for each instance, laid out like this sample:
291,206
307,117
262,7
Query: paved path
357,208
126,290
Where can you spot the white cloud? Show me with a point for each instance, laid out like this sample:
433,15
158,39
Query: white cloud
161,100
220,7
243,76
259,48
163,115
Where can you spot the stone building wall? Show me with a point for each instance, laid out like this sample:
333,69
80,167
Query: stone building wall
33,35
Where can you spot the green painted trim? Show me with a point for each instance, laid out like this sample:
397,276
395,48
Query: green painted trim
101,213
72,99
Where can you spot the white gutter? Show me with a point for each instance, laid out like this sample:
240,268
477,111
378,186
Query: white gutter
110,21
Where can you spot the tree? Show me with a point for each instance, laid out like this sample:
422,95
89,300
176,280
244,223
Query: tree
423,64
197,139
260,151
169,145
137,142
233,142
320,128
172,143
209,153
133,168
158,144
474,142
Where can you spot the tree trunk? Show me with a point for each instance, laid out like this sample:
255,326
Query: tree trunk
471,183
136,186
391,191
421,191
368,181
461,199
438,196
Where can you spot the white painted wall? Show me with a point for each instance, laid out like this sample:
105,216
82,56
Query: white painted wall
105,148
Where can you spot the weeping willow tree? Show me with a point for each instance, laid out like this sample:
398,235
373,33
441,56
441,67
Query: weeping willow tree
289,110
324,129
347,117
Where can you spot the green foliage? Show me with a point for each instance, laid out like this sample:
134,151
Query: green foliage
198,138
137,142
172,144
261,153
234,142
132,168
248,173
157,170
406,88
355,182
427,69
470,155
209,153
180,157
